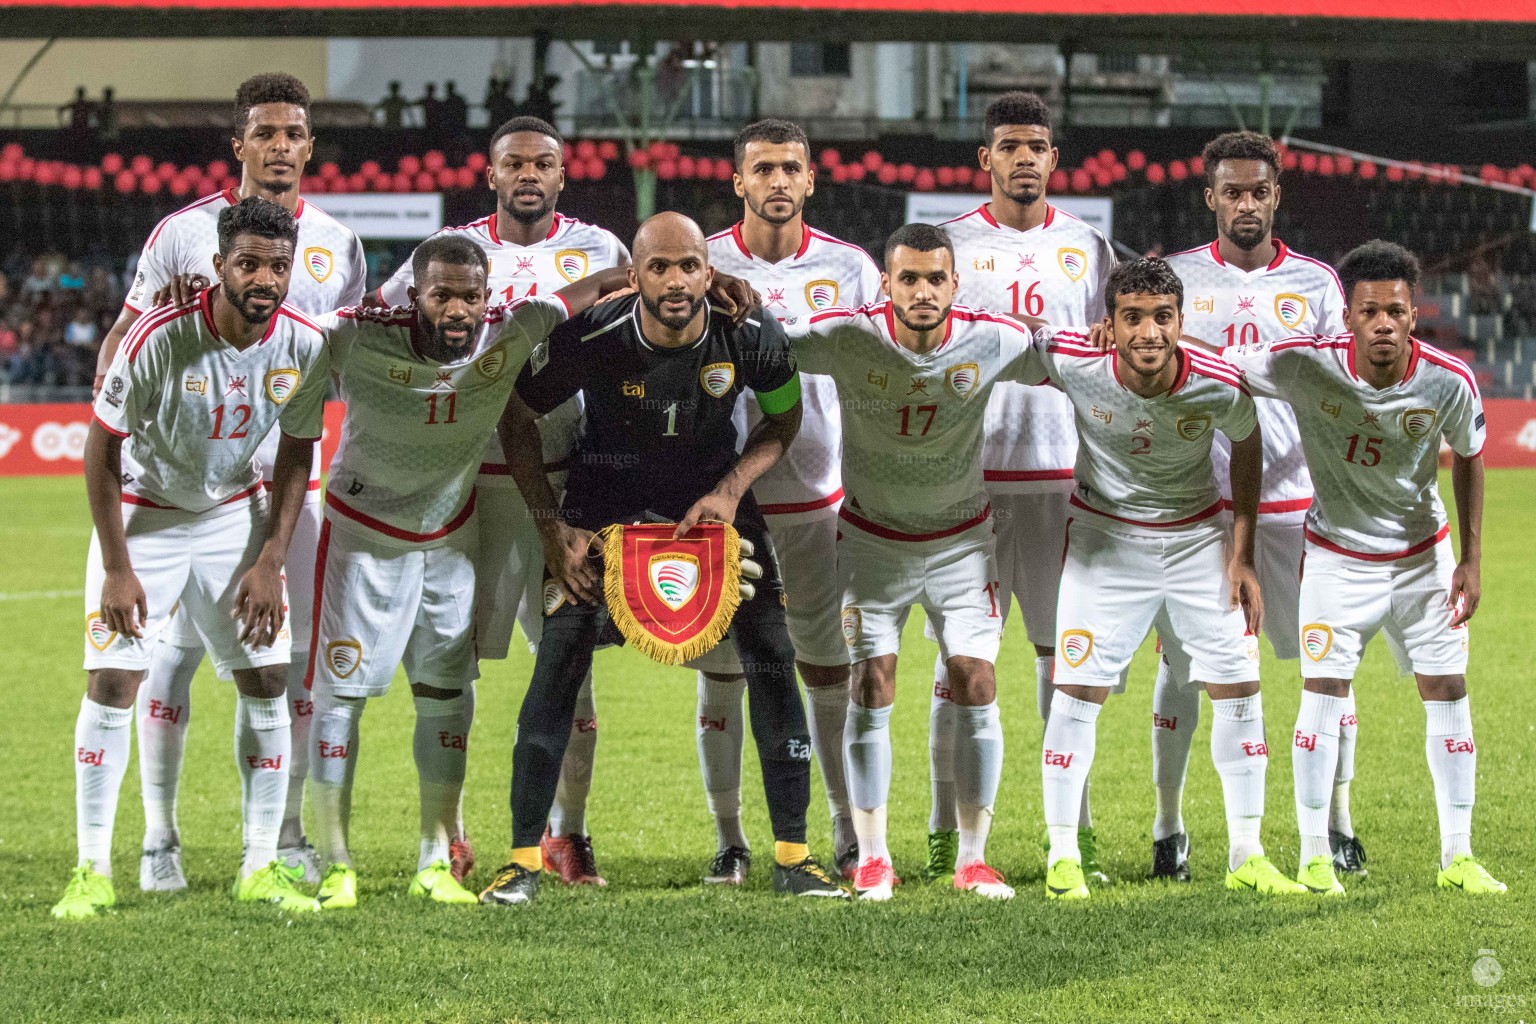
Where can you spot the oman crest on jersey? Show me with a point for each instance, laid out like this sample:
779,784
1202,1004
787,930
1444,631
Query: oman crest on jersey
822,294
1291,309
716,378
1418,422
1073,263
1075,646
343,657
572,264
671,599
98,632
1192,428
962,379
319,263
491,365
282,383
1316,640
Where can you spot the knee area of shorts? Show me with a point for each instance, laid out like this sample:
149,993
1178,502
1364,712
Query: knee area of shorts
442,703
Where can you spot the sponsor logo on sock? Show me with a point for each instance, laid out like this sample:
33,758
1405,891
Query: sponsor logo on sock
1159,722
303,708
1306,742
1347,719
797,749
333,749
1076,645
712,724
94,758
265,763
584,724
452,741
1455,746
941,689
1316,640
1055,760
1256,749
165,712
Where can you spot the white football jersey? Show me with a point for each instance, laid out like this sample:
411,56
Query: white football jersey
1228,307
1373,454
912,424
329,270
194,409
570,252
414,429
1056,272
824,272
1146,462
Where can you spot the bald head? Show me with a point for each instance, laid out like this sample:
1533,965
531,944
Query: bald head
671,233
672,273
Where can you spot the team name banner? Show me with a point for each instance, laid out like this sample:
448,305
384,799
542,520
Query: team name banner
672,600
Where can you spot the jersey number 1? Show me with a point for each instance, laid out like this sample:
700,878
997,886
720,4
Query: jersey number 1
450,407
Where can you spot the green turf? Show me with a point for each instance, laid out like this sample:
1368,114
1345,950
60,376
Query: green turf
657,946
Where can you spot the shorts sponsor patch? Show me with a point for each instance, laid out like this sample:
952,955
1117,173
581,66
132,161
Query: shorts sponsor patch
853,625
98,632
554,596
1076,645
1316,640
343,657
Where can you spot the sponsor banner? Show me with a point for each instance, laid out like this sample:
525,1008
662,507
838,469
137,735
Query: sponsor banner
937,207
48,439
384,215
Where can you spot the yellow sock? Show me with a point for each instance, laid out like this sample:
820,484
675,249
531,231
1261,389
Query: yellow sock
529,857
790,854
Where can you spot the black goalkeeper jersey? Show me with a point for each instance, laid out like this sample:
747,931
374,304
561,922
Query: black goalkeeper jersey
659,433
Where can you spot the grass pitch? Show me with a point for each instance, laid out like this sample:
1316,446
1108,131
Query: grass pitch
656,946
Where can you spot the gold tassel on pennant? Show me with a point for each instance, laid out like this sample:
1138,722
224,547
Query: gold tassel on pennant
672,600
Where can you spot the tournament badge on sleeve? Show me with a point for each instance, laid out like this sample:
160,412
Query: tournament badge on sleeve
672,599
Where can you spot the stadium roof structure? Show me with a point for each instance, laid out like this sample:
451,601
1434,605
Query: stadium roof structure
1400,30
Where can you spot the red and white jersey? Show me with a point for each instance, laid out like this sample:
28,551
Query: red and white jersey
415,428
570,252
824,272
1146,462
194,409
1232,308
912,423
1373,454
1056,272
329,270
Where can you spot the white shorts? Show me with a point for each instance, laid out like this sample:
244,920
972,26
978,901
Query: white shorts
1277,556
1118,584
807,554
381,606
954,578
298,574
509,572
1345,601
1031,535
191,561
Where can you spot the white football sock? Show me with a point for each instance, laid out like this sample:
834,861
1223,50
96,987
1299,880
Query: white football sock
441,746
1242,759
720,730
102,742
163,709
941,752
1314,757
978,771
263,750
1045,688
1070,737
1453,766
828,715
332,768
1175,714
301,712
1349,730
568,814
867,755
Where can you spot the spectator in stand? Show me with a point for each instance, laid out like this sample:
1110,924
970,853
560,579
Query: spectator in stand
431,114
392,108
455,112
82,331
10,349
500,107
106,117
76,114
101,292
1483,290
41,281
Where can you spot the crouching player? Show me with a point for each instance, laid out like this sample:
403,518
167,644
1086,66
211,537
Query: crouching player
1146,548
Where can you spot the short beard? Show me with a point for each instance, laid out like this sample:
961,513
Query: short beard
761,214
245,311
1025,196
901,315
278,188
1244,241
526,217
672,323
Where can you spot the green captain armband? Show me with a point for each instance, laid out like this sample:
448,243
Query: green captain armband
781,398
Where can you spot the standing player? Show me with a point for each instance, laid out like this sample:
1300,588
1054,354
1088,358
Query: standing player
1373,407
424,385
531,250
181,519
1147,547
1018,254
913,375
799,272
658,441
1248,290
273,141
